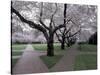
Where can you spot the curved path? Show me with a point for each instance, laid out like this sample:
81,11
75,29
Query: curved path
29,63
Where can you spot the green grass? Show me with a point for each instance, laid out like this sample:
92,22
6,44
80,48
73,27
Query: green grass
14,61
40,47
58,50
51,61
43,47
16,53
18,46
87,48
85,62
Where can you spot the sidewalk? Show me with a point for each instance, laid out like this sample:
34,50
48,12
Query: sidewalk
30,63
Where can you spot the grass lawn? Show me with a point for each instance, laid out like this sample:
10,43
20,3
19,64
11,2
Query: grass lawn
40,47
18,46
43,47
14,61
85,62
51,61
17,53
87,48
14,53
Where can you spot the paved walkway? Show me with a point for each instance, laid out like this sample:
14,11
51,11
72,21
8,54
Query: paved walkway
30,63
67,61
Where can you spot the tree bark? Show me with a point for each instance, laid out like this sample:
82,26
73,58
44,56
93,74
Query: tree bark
50,46
63,37
63,43
68,44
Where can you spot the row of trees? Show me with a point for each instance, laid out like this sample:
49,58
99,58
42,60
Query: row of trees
65,25
65,35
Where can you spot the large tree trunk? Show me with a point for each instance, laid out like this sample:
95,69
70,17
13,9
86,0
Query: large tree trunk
63,43
50,47
63,37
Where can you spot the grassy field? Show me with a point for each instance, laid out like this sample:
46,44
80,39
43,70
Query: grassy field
51,61
85,62
14,61
40,47
18,46
87,48
43,47
14,53
17,53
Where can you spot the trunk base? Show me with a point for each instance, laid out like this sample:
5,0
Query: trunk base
50,49
50,53
62,46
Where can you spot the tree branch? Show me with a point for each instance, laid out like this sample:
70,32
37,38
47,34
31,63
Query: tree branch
68,30
41,14
74,34
51,19
30,23
58,27
73,22
58,37
43,24
56,32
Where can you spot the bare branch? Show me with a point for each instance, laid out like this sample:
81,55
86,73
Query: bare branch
58,27
68,30
56,32
58,37
55,26
30,23
51,19
41,14
74,22
74,34
43,24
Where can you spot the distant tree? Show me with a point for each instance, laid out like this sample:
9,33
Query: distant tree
65,34
93,39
